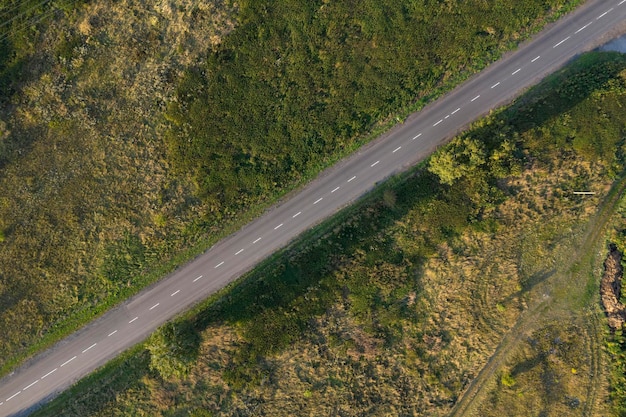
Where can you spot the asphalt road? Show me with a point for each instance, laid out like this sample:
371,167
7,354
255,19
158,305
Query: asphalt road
56,369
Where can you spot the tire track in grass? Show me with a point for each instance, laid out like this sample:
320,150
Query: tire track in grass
537,316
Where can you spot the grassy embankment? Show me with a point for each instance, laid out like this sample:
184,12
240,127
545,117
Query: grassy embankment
100,195
395,305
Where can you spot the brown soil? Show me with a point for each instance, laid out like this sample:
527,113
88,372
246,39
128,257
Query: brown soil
611,287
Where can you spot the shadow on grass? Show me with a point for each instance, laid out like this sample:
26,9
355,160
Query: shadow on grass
565,89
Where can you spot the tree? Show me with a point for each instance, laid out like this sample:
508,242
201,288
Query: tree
461,158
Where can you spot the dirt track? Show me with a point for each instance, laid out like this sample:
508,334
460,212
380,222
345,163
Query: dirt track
572,276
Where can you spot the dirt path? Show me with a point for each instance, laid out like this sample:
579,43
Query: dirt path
545,309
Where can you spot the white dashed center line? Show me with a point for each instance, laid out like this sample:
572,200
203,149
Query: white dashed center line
447,115
24,389
415,137
239,251
516,71
561,42
456,110
222,263
583,28
318,200
374,164
89,347
197,278
128,323
14,395
173,294
495,85
256,240
67,361
535,58
336,188
154,306
475,98
296,215
279,226
621,2
438,122
115,331
604,14
397,149
49,373
351,179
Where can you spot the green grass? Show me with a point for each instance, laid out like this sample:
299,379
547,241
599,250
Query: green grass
102,195
409,291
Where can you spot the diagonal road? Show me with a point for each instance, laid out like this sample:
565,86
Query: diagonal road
56,369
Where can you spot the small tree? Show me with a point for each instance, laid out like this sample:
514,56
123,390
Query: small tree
460,158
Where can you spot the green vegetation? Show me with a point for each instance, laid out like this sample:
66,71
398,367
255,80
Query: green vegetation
134,135
616,348
394,306
298,83
616,342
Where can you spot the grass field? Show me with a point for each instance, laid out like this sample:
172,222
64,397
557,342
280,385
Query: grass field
110,176
402,304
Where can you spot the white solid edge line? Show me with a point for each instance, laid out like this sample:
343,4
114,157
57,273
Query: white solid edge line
220,264
475,98
296,215
516,71
154,306
173,294
438,122
89,347
374,164
336,188
68,361
352,178
133,320
24,389
535,58
112,333
239,251
561,42
456,110
417,136
197,278
318,200
49,373
277,227
256,240
397,149
495,85
14,395
585,27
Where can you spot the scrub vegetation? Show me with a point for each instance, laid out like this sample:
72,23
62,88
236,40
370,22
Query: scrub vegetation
396,305
134,134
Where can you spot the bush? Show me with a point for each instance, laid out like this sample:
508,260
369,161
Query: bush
173,349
